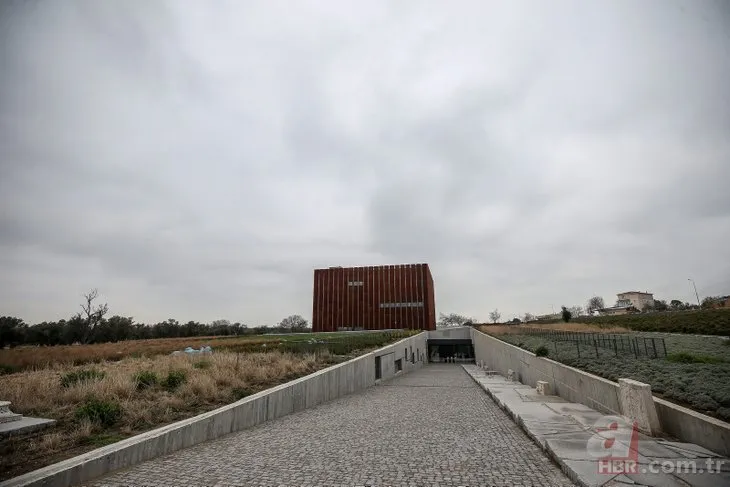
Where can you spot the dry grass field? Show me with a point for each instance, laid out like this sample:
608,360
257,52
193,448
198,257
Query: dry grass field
104,402
25,357
38,357
517,329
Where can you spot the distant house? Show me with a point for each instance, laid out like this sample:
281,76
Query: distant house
615,310
555,316
637,299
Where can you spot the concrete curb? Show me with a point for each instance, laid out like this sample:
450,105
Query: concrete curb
564,467
317,388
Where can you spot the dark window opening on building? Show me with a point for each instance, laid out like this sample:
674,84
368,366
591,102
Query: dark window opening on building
378,370
399,365
455,351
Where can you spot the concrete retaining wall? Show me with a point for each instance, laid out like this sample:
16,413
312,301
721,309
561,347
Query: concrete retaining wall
322,386
693,427
566,382
459,332
596,392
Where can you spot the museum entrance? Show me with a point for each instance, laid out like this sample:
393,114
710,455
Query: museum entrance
450,350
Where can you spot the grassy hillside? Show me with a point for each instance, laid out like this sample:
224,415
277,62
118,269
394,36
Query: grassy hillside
703,322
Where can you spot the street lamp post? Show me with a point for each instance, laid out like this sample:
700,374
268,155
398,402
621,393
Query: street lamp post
696,294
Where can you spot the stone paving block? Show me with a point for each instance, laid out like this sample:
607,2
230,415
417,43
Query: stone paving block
434,426
705,480
585,472
650,479
25,424
689,450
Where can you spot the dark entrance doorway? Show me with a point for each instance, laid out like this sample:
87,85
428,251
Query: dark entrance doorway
450,350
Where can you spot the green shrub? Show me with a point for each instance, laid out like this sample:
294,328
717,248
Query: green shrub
144,379
336,345
174,379
7,369
241,392
103,439
105,413
542,351
73,378
705,402
688,358
203,364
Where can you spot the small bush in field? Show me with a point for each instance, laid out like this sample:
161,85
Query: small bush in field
541,351
105,413
73,378
7,369
174,379
145,379
241,392
203,364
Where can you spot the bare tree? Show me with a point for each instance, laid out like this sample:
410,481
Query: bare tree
528,317
495,315
576,311
452,319
294,323
93,315
596,302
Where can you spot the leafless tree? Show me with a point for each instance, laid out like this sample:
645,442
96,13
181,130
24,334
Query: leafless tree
294,323
596,302
528,317
495,315
93,314
452,319
576,311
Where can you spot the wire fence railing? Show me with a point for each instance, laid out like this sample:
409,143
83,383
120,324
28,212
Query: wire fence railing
590,343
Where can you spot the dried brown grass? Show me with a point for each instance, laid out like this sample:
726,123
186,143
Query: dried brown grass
221,381
26,357
39,392
518,329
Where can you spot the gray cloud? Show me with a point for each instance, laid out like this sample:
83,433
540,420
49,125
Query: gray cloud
198,161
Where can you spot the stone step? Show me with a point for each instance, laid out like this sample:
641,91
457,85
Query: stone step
10,417
6,415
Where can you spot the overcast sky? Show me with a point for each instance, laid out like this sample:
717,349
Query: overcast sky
197,160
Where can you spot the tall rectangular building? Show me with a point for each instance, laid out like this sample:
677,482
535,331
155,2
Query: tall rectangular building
374,298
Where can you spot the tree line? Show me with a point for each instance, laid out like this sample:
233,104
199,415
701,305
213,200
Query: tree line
92,326
595,303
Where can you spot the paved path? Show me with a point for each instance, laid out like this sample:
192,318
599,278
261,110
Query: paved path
434,426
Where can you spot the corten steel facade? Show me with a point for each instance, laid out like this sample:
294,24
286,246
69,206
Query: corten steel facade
374,298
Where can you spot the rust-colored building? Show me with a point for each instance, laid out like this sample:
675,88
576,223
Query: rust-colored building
373,298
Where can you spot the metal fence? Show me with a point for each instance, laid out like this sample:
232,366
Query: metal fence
589,342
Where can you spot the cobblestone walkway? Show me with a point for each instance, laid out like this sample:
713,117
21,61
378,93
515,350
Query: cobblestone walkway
431,427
